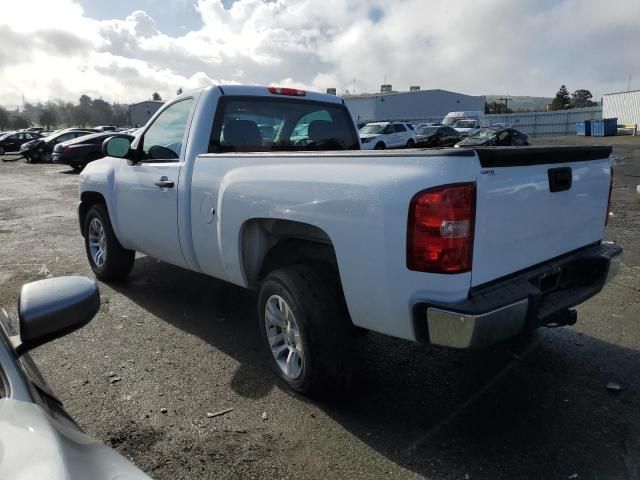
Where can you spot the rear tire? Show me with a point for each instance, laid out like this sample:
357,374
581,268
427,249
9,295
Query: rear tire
411,143
379,146
306,330
108,259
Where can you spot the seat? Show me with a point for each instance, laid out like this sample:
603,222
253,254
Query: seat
242,136
322,132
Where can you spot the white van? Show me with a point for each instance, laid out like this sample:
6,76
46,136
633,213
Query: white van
452,117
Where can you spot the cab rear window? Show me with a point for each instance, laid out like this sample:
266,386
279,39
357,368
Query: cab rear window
259,124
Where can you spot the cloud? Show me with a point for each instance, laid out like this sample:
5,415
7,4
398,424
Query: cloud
479,47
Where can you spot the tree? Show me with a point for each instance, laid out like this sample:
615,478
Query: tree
4,119
582,98
18,122
562,100
47,116
156,97
495,107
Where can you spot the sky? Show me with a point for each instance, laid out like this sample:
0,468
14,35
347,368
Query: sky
124,50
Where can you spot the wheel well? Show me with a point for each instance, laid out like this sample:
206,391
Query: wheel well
269,244
87,200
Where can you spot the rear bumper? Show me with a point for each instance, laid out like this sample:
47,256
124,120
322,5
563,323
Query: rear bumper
541,295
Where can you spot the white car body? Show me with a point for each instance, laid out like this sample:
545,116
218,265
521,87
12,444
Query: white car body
403,135
219,219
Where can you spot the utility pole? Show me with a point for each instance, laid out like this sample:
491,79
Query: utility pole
506,104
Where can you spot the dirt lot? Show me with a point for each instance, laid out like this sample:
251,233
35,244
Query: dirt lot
187,343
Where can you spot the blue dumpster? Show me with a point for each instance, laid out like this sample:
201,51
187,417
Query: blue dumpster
604,128
584,128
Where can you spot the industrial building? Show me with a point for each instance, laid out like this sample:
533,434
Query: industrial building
141,112
415,105
625,106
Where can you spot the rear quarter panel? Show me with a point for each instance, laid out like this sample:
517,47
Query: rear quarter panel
359,200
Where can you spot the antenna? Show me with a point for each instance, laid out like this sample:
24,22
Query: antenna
354,85
629,84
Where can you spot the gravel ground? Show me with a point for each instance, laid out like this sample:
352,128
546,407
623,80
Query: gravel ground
187,343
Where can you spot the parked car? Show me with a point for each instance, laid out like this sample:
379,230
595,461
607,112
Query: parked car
466,126
34,130
13,141
436,136
498,137
105,128
333,240
78,152
381,135
42,148
38,438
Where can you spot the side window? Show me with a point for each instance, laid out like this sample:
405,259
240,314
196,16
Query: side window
64,138
399,128
388,130
163,139
410,126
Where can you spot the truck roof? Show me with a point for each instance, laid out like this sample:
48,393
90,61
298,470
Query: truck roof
262,91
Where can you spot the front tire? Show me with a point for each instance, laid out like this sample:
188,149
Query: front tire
108,259
2,151
306,329
411,143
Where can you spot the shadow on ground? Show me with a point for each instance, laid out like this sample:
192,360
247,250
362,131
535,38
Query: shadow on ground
537,410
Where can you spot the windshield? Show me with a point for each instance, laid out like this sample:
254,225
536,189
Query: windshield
373,128
426,130
465,124
481,136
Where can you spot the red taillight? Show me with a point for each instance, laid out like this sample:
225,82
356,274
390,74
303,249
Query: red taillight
66,150
440,229
606,220
294,92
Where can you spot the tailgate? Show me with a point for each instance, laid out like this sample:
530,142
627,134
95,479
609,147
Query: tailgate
536,203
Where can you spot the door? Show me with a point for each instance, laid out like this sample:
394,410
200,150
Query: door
10,143
147,190
400,136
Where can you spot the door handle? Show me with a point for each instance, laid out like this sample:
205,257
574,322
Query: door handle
164,182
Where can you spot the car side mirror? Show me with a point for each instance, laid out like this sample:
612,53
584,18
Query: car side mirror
117,146
51,308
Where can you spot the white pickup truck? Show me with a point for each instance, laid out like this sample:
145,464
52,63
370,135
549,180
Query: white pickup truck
266,188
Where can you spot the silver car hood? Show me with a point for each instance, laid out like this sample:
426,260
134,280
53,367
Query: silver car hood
33,446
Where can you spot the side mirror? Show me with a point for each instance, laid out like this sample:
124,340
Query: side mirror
117,146
51,308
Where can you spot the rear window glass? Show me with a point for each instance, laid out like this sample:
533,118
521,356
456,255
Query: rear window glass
258,124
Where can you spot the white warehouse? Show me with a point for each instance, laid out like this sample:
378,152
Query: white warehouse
625,106
418,105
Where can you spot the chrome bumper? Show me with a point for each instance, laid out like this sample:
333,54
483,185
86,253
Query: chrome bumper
457,330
